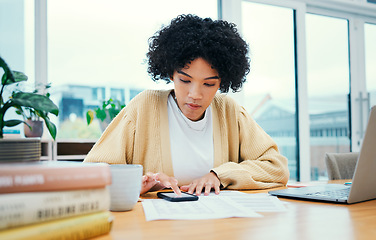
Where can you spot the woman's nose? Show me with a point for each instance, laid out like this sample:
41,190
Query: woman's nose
195,92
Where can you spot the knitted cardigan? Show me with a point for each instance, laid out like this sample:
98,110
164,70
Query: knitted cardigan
245,157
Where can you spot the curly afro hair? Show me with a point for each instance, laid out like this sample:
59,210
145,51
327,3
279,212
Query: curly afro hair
189,37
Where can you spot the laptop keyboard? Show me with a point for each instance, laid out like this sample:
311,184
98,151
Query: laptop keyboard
333,194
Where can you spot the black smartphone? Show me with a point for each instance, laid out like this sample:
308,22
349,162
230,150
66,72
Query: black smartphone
173,197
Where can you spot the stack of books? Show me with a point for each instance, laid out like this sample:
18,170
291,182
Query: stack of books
54,200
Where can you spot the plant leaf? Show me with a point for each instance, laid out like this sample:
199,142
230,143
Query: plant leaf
101,114
9,76
12,123
19,76
7,73
51,127
5,77
36,101
3,65
89,116
113,112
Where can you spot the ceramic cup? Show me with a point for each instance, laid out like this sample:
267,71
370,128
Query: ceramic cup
126,186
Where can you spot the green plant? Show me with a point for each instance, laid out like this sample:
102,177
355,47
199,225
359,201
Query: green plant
29,113
24,101
109,109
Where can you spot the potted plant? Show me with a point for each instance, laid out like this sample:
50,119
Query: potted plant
17,148
33,126
105,113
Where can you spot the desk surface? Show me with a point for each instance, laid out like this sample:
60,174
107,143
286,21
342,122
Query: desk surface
303,220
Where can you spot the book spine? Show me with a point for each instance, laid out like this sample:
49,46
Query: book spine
18,209
37,179
80,227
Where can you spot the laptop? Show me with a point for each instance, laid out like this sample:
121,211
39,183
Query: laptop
363,185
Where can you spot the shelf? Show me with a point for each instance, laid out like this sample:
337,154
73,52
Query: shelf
65,149
72,150
46,150
71,157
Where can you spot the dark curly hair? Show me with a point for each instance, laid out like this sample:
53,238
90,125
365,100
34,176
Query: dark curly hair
189,37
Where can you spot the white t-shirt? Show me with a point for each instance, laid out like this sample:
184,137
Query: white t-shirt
192,149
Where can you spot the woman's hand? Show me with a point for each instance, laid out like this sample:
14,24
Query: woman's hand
158,181
206,183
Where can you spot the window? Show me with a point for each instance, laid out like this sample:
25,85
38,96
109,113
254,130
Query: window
269,94
370,49
96,51
17,45
16,29
328,88
101,45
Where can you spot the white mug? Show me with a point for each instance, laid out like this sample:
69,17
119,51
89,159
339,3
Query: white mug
126,186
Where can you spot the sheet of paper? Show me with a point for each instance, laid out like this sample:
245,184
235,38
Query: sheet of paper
207,207
259,202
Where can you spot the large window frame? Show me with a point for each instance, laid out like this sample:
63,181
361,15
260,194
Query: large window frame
356,16
357,13
228,12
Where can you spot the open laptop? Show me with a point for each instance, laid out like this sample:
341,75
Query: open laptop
363,185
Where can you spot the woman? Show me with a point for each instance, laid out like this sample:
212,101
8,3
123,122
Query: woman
191,136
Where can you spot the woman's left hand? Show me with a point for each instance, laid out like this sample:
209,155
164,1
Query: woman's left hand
206,183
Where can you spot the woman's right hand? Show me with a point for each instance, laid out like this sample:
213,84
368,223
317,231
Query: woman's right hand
158,181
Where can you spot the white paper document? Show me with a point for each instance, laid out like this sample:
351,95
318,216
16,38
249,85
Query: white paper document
226,204
259,202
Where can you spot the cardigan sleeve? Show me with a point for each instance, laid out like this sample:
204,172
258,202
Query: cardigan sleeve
115,146
260,165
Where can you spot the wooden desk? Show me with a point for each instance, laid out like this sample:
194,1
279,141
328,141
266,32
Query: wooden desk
303,220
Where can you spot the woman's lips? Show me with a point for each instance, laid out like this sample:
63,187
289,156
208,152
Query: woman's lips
193,106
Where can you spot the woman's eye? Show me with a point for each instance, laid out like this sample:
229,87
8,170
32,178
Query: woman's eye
209,85
184,81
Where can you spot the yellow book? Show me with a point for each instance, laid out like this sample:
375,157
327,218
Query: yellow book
81,227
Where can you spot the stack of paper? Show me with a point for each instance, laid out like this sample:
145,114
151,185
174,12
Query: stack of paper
226,204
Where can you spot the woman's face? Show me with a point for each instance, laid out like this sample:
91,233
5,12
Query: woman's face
195,87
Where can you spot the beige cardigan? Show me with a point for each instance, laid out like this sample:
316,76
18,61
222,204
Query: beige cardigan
245,157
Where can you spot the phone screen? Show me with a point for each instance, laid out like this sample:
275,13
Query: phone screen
173,197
